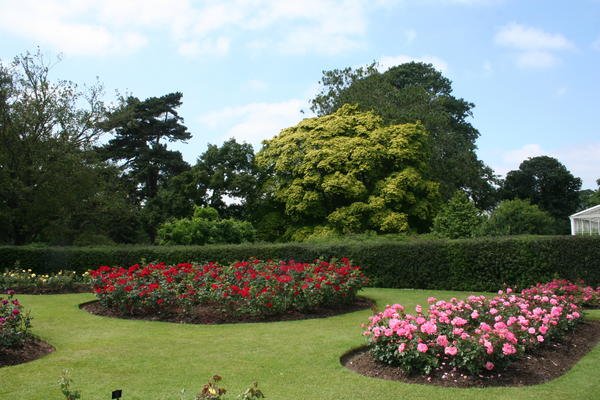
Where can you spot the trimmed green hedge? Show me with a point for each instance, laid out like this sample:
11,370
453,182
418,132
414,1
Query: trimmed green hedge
468,264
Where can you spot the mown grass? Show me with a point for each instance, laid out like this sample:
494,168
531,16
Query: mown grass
290,360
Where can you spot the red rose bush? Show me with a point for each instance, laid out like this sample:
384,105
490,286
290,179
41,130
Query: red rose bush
472,335
257,288
14,322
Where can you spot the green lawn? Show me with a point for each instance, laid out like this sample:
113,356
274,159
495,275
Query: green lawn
290,360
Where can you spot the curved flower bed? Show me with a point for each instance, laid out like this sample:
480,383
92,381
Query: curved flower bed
471,335
257,288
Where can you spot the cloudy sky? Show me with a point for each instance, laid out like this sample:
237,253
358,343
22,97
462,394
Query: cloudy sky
248,67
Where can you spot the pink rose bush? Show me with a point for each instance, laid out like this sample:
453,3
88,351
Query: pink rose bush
247,288
585,296
473,335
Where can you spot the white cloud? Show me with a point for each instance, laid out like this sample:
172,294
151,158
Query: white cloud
255,85
535,48
536,59
387,62
196,28
254,122
580,159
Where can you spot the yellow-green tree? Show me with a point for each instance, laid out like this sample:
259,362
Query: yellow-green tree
347,172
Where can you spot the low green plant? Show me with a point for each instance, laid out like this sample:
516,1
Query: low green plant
65,381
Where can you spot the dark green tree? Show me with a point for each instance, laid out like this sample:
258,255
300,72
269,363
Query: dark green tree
418,92
49,178
141,131
228,178
589,198
545,182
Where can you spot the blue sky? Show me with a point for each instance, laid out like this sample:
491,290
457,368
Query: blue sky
247,68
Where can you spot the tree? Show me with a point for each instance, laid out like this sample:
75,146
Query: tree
589,198
49,179
141,130
349,173
228,177
545,182
459,218
417,92
517,217
205,227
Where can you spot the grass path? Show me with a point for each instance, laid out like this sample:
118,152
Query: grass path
290,360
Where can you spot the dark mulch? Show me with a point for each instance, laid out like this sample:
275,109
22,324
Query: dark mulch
211,314
32,349
548,362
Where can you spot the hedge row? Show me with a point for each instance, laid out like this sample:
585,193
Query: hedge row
473,264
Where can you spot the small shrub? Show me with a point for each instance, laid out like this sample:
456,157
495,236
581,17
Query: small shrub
474,335
518,217
458,219
14,322
205,227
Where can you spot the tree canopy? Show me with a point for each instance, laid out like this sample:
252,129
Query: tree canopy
141,131
545,182
459,218
414,92
349,172
52,187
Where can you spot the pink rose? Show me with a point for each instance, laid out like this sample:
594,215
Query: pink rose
422,347
442,340
401,347
451,350
489,365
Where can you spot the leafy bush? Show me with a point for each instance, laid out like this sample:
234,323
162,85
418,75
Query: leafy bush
474,335
14,323
243,288
517,217
458,219
466,264
205,227
27,281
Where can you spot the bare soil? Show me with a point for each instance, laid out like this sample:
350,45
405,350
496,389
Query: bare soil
212,314
32,349
546,363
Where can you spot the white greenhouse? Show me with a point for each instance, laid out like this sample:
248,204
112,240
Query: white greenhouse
586,222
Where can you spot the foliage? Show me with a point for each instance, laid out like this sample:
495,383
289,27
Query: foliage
65,381
417,92
459,218
589,198
482,263
577,293
205,227
228,177
243,288
14,323
517,217
547,183
474,335
141,130
27,281
52,187
349,173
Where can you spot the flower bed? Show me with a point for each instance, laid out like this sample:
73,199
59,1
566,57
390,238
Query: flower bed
584,296
27,281
258,288
14,323
472,335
